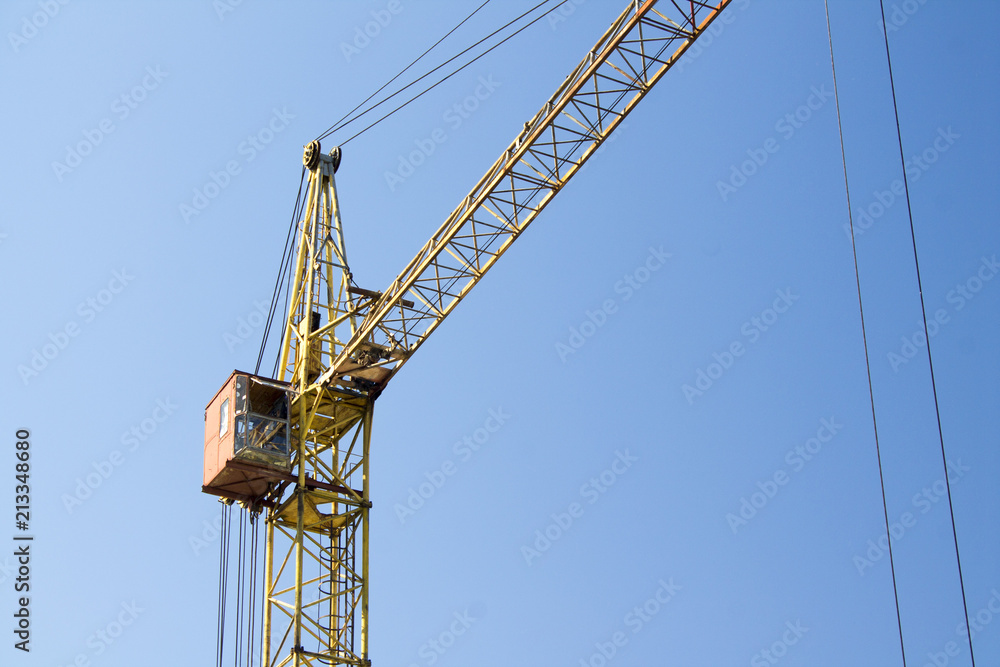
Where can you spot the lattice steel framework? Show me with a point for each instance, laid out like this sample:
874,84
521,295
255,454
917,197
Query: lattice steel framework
316,549
635,53
342,344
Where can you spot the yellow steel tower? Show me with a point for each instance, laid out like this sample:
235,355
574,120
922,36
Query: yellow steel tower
342,344
316,558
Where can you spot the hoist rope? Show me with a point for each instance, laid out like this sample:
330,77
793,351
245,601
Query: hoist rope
923,312
223,575
252,594
239,589
864,335
248,543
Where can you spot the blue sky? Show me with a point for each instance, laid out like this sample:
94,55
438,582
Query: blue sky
727,179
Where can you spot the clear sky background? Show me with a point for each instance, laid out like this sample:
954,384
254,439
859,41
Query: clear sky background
146,310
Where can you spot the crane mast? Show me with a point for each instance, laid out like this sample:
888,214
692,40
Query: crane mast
342,344
316,532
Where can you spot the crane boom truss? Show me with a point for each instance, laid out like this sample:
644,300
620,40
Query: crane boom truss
342,343
635,52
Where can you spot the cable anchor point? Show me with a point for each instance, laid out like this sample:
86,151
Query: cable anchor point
311,156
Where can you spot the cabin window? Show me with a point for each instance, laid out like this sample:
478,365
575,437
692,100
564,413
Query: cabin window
224,418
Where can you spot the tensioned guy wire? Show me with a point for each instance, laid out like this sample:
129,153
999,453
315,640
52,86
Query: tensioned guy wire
439,82
285,257
864,334
923,312
336,125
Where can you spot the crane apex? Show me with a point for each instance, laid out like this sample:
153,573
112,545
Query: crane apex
310,155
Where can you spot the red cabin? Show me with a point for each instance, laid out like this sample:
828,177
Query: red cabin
247,437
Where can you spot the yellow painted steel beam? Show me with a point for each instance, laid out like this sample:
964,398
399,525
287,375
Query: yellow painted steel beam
316,597
317,539
628,60
319,615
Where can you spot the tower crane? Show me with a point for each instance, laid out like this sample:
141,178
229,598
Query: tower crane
295,449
